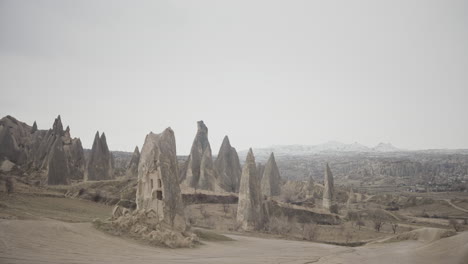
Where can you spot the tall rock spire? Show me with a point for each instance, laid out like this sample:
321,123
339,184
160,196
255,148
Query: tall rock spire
132,168
250,213
58,172
34,128
57,127
100,165
271,179
328,191
228,168
158,184
200,154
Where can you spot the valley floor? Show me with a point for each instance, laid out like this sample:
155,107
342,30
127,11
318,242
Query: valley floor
52,241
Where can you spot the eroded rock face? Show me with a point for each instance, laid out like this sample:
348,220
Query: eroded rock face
158,184
15,140
207,173
260,170
200,162
250,209
33,149
228,168
328,191
58,172
132,168
100,164
271,180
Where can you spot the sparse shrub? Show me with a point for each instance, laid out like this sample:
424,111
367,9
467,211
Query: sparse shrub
334,209
191,220
97,197
288,195
279,225
360,223
455,224
465,221
310,232
352,216
394,227
9,185
203,212
81,191
225,208
378,223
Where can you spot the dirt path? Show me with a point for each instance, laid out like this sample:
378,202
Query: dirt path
455,206
50,241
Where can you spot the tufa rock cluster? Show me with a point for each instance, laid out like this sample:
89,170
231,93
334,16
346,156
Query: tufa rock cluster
100,163
52,152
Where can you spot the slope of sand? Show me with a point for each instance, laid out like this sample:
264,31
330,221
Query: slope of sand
50,241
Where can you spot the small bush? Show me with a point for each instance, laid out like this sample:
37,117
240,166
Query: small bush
334,209
378,224
97,197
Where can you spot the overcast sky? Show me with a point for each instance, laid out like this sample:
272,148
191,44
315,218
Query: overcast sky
263,72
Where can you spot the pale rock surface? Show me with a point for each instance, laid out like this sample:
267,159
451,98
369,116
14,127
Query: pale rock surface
227,166
271,180
250,209
158,187
132,168
328,191
200,154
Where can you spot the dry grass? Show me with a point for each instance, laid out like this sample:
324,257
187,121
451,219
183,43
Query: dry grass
35,206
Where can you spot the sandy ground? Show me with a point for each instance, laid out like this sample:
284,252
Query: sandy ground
51,241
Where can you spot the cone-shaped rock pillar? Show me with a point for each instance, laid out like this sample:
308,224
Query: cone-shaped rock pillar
158,179
228,168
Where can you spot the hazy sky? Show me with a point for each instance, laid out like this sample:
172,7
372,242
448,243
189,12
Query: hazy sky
262,72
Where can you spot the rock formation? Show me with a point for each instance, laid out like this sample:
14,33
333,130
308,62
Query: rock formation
34,149
260,170
158,184
34,128
271,180
207,179
132,168
200,162
228,168
58,172
328,191
15,140
100,164
250,209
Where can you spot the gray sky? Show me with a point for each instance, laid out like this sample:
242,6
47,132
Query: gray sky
263,72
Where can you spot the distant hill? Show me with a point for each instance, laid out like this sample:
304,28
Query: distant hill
325,148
